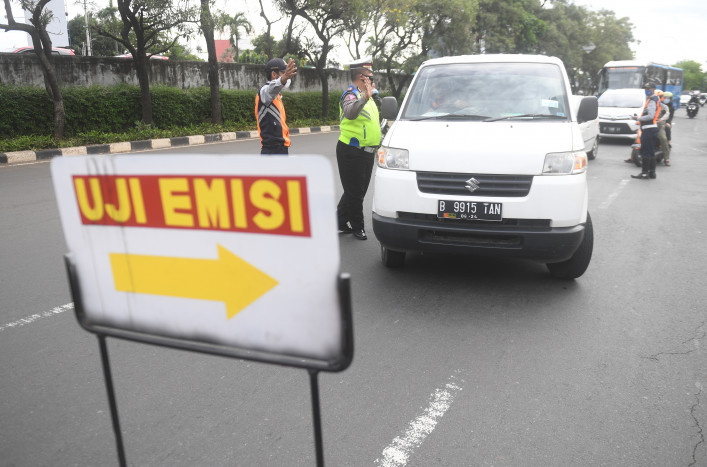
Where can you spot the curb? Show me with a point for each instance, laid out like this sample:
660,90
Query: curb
19,157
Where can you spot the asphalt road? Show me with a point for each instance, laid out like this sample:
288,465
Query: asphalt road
458,362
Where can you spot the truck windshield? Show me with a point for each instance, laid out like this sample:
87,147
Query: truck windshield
487,92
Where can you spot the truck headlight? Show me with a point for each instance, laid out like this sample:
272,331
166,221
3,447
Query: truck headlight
393,158
565,163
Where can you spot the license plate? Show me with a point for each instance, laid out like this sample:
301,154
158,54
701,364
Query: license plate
477,210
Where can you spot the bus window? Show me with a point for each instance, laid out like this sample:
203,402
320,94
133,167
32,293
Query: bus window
621,77
674,81
655,75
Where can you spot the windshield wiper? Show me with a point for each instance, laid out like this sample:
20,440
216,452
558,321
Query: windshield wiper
451,116
508,117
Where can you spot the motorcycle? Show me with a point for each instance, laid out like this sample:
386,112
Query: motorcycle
692,108
636,151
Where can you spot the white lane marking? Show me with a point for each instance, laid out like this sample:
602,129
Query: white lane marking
32,318
613,195
399,451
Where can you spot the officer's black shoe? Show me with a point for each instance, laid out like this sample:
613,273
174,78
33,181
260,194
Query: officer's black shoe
346,228
651,174
360,234
641,176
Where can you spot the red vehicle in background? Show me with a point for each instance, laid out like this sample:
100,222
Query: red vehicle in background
30,50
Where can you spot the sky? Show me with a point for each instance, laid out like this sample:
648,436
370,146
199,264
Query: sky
666,31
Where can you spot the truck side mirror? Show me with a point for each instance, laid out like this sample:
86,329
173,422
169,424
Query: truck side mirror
588,109
389,108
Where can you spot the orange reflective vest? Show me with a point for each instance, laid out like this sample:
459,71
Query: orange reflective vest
272,126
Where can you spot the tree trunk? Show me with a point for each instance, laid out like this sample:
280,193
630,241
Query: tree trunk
51,83
325,92
207,26
143,77
321,71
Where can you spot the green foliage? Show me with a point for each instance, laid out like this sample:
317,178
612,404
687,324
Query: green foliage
179,107
250,56
693,76
101,45
102,115
25,110
180,52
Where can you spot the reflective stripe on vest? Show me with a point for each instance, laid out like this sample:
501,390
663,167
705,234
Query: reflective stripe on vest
272,126
365,129
657,108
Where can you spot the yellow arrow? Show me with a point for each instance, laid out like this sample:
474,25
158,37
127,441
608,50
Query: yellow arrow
227,279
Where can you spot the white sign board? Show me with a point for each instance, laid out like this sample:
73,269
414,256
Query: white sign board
238,251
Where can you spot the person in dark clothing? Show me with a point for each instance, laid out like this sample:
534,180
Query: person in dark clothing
356,149
269,109
649,133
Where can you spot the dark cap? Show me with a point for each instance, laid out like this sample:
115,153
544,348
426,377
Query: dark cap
275,64
649,85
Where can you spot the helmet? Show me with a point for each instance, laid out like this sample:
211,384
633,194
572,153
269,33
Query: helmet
667,94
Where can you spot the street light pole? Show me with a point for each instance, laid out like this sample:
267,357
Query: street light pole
88,29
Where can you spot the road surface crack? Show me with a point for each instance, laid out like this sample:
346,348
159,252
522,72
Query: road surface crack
700,333
700,432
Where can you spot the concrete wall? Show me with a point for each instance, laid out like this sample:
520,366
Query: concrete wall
24,69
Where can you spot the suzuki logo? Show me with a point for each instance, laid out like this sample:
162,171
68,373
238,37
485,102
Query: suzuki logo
472,184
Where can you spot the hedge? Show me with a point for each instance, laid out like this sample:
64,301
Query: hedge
28,111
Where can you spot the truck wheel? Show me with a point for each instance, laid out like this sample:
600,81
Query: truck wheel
591,155
392,258
579,262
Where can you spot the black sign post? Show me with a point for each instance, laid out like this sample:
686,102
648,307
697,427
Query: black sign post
312,366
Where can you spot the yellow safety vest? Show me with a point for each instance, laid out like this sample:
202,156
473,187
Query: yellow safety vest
365,130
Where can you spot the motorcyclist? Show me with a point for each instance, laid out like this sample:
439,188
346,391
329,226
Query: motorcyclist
662,123
694,97
669,101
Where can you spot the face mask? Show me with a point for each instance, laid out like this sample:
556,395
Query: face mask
287,84
649,92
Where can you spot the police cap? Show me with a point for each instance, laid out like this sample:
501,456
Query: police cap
366,62
275,64
649,85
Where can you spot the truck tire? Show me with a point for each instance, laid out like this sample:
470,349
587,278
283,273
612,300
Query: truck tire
579,262
592,154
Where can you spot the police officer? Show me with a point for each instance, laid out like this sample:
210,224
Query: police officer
269,110
357,145
649,132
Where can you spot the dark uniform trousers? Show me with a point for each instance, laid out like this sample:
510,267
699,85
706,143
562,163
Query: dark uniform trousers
649,138
355,168
274,150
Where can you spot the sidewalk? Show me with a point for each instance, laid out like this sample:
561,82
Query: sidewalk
22,157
